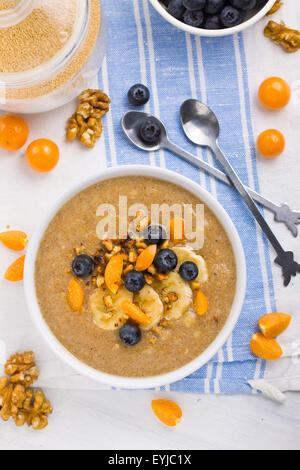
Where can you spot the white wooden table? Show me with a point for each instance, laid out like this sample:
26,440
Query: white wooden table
124,420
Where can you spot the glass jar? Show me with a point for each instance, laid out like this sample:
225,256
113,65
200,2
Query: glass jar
49,51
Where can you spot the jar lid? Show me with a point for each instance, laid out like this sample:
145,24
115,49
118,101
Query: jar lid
36,33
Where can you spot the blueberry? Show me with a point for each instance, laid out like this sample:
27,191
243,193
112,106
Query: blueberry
243,4
188,271
130,334
194,4
154,234
193,18
230,17
212,22
83,265
176,9
150,132
138,95
214,6
165,260
134,281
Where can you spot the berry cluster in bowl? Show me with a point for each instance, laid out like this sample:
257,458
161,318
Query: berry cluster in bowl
212,14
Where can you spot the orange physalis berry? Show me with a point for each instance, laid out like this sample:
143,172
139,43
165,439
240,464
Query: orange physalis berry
134,312
176,227
14,240
201,303
167,411
13,132
42,155
146,258
75,295
271,143
265,348
273,324
113,273
15,272
274,93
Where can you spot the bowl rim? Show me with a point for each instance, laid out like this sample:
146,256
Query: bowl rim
129,382
211,32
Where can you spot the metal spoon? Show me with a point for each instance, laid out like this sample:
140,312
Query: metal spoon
202,127
131,124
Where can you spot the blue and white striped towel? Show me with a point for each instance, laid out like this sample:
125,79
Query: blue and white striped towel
176,66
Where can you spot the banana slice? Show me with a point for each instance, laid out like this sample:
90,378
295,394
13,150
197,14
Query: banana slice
175,285
187,254
113,318
149,301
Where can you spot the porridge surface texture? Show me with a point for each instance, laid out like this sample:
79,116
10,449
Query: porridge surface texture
183,340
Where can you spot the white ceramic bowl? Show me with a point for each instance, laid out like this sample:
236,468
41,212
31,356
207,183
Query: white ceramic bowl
149,382
212,32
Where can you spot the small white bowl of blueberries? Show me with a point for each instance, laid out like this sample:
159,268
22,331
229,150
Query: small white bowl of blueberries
212,17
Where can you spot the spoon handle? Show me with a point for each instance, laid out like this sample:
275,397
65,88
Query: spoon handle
219,175
237,183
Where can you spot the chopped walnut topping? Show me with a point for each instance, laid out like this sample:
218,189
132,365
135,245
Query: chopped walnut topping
108,256
132,257
152,340
195,285
286,37
116,249
162,277
78,250
100,281
140,244
173,297
145,221
149,279
108,244
157,330
108,301
128,269
152,269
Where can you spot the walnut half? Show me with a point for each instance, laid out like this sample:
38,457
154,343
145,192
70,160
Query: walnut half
22,369
278,4
17,401
86,122
286,37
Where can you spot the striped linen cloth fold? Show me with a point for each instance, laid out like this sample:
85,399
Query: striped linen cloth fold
176,66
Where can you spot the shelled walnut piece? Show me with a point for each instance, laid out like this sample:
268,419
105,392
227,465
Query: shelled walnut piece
286,37
86,122
278,4
23,404
22,368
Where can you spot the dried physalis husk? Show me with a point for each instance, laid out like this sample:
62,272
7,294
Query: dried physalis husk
86,122
286,37
278,4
